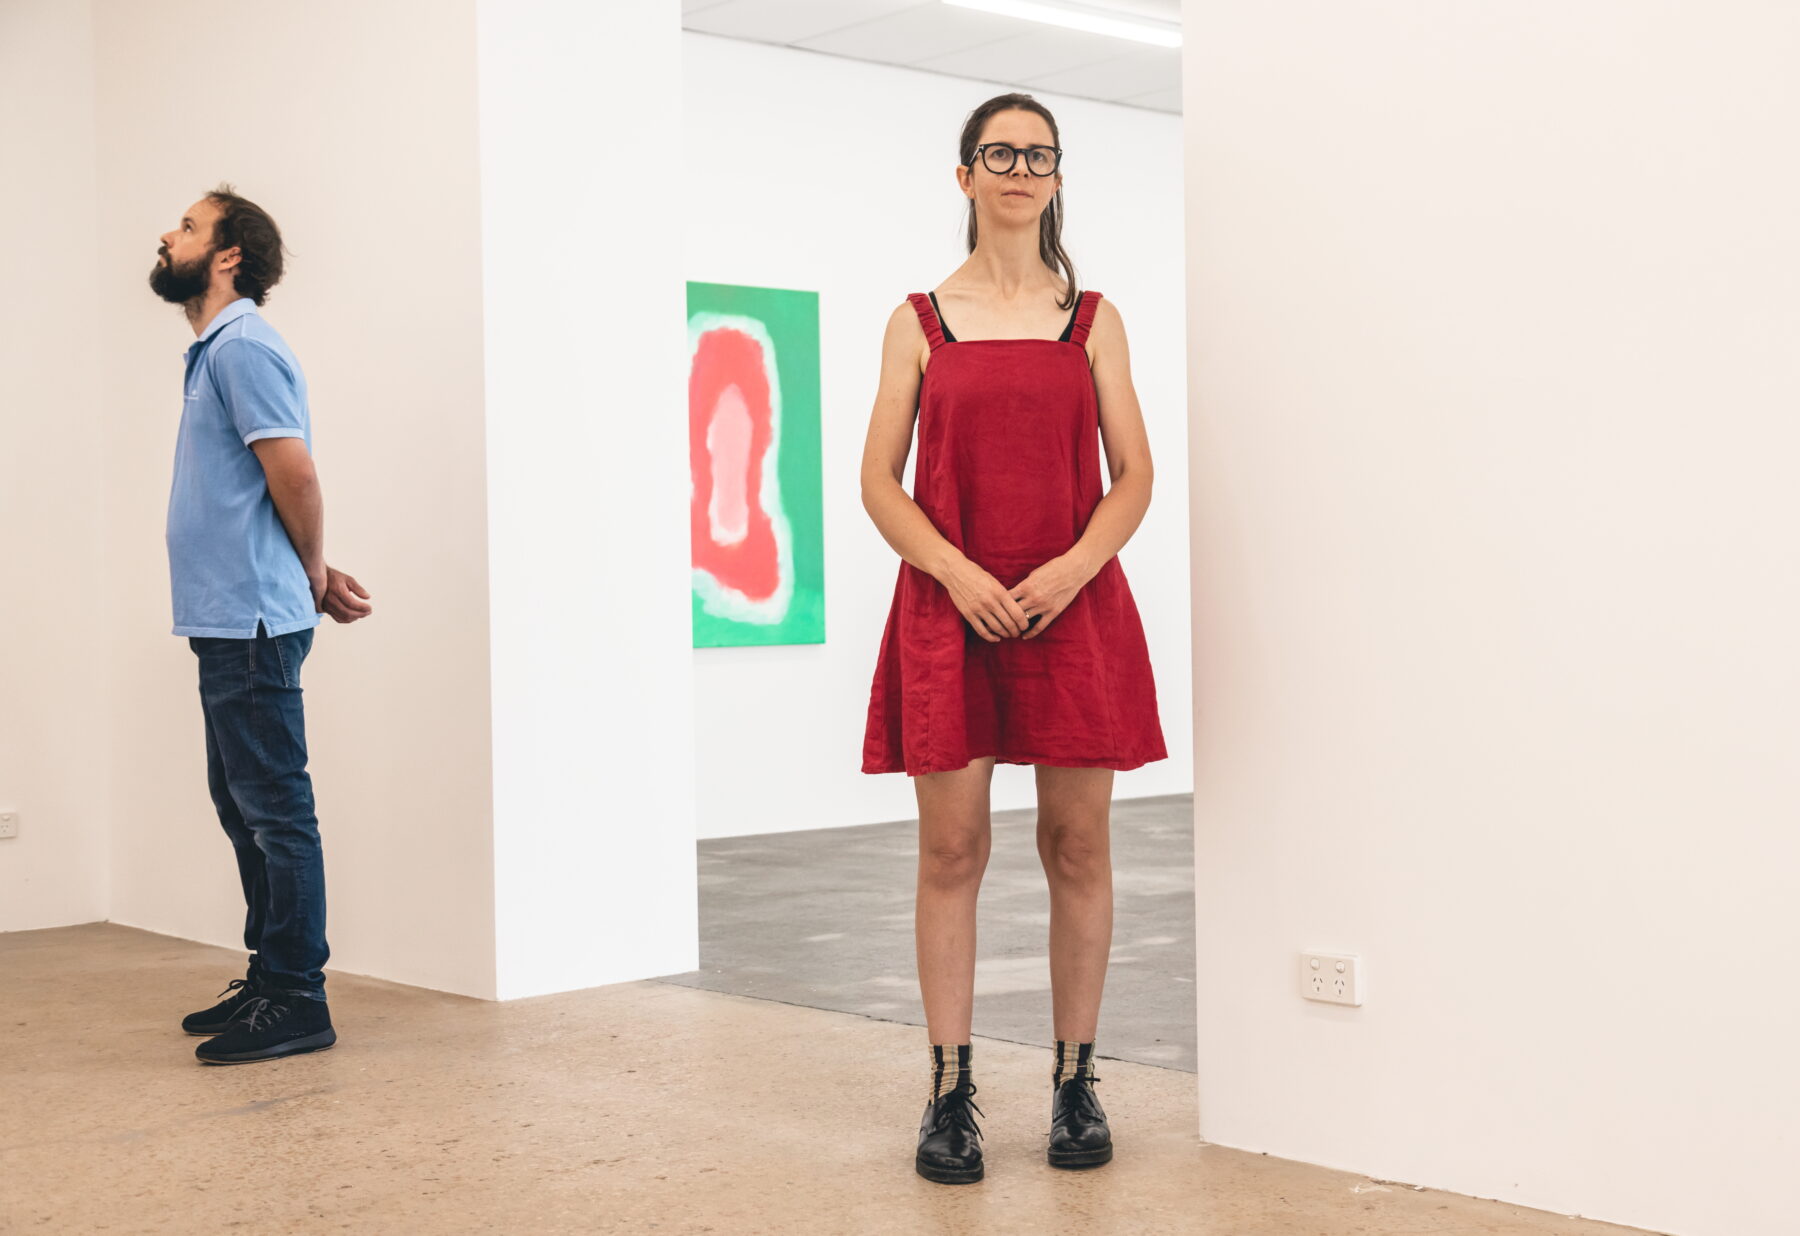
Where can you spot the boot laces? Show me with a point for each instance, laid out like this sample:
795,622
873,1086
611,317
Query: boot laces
955,1108
1083,1099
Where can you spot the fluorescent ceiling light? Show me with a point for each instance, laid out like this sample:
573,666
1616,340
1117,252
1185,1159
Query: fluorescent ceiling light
1085,17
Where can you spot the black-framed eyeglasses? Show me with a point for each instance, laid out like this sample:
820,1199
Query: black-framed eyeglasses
999,158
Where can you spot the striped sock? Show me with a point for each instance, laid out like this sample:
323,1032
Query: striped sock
949,1068
1073,1060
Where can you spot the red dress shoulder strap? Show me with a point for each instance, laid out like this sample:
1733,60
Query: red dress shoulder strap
928,318
1084,318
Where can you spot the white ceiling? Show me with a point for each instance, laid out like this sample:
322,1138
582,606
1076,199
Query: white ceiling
940,38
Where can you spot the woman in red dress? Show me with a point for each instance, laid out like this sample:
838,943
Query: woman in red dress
1013,637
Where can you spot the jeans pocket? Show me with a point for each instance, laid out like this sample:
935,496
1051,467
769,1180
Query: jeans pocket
282,662
290,652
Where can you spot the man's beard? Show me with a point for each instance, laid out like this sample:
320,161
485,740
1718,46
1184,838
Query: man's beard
180,284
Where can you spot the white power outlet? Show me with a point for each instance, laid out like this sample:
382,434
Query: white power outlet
9,824
1335,978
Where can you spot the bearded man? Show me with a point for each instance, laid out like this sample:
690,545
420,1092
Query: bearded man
250,582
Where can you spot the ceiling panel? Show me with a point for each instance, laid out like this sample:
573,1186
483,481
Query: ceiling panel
789,21
1160,100
1157,10
1137,72
917,33
1024,56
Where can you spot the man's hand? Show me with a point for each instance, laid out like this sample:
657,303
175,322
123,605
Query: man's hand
340,597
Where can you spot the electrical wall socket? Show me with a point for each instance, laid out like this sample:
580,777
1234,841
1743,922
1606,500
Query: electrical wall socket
9,824
1334,978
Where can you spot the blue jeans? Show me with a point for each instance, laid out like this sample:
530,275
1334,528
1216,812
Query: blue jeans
256,769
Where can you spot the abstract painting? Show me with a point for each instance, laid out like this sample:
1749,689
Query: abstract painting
755,503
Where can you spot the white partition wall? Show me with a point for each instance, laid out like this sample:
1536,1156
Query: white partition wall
594,867
1493,375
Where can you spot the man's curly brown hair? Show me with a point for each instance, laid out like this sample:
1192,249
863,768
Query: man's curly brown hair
248,227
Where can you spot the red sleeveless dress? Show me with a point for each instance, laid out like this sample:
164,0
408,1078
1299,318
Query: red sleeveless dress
1009,471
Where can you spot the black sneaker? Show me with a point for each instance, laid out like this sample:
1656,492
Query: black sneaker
271,1024
215,1019
949,1138
1078,1133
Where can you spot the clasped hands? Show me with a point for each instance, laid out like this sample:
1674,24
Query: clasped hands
338,595
1022,611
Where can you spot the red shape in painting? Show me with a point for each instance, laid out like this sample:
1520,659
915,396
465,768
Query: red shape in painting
730,425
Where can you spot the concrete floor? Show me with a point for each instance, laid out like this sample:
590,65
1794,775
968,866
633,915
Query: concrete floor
642,1107
824,919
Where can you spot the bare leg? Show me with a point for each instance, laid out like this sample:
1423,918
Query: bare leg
954,840
1075,843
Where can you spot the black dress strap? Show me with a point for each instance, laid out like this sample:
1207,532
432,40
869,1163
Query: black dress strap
1084,317
1069,329
948,337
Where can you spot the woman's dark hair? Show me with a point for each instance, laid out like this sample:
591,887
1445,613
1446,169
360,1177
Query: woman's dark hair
1050,246
244,224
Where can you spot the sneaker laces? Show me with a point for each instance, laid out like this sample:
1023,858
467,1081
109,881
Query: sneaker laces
233,985
955,1110
269,1011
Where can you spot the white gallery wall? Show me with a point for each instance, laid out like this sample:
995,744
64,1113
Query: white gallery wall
1492,321
503,795
377,192
53,615
837,176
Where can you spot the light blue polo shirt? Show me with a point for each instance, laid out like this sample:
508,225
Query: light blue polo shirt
231,564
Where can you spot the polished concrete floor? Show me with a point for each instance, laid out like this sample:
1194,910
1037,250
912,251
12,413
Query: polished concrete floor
644,1107
824,919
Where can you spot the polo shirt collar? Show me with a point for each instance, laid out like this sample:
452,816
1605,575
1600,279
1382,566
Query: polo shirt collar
229,314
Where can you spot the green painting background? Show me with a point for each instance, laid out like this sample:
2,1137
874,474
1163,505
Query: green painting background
792,320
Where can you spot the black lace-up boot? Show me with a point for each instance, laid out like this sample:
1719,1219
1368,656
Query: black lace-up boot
214,1020
949,1138
1078,1133
272,1023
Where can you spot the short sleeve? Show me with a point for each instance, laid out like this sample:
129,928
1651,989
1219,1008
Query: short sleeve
260,394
